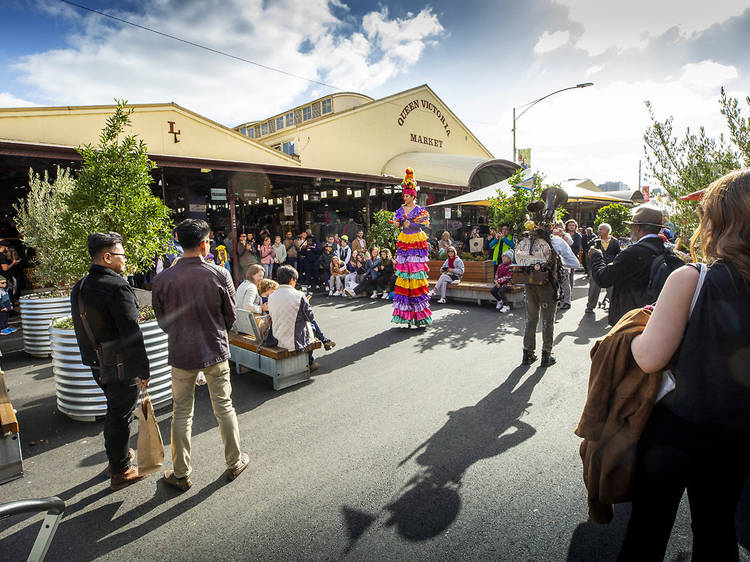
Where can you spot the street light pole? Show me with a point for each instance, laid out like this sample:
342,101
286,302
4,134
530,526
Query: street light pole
531,104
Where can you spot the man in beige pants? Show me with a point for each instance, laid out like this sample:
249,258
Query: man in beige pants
194,303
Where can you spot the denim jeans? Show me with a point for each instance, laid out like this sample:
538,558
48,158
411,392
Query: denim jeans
122,398
312,268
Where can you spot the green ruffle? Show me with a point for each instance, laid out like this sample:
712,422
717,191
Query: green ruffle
418,275
424,322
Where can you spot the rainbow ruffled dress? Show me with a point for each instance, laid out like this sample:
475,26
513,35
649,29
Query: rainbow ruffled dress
411,301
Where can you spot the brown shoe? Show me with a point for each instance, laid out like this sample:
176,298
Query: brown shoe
314,366
120,481
179,483
131,454
233,473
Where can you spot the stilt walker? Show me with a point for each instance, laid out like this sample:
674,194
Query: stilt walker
411,302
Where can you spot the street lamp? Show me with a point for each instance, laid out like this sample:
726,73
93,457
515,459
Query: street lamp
533,103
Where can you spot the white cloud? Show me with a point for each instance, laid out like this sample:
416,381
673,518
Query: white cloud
598,132
550,41
630,24
108,60
9,100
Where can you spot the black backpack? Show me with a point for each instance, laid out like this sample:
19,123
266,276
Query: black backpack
661,266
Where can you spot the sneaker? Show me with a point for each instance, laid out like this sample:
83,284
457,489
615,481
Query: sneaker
374,295
328,345
5,332
441,301
385,296
499,305
565,306
120,481
349,293
233,473
589,310
330,292
337,294
505,309
12,330
180,483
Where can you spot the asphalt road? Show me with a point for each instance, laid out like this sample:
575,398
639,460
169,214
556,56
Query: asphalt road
406,445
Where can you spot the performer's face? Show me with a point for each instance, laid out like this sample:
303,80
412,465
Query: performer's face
408,198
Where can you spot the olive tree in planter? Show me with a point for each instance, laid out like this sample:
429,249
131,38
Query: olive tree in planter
78,395
38,220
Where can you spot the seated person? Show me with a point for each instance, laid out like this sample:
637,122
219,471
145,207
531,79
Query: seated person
444,243
248,299
372,271
502,281
337,273
291,315
387,278
356,273
451,273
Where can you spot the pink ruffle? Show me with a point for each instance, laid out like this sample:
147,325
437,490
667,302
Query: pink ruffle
412,314
411,267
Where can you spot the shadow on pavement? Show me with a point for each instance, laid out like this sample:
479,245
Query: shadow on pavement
463,326
93,534
595,542
364,348
430,501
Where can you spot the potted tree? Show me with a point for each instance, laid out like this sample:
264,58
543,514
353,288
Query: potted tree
39,220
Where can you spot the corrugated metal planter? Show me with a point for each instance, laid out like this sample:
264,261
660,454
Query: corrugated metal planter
79,397
36,315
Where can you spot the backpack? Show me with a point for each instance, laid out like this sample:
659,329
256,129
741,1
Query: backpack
661,266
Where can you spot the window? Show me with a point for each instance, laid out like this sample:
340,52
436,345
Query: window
306,113
251,132
327,106
288,147
243,130
279,123
289,119
264,129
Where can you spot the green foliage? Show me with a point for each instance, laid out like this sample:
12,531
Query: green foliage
113,194
383,232
687,164
615,215
39,222
511,209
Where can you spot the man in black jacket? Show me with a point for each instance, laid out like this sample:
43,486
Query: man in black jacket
111,311
628,274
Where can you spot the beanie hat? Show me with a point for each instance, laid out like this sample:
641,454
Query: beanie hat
509,254
409,186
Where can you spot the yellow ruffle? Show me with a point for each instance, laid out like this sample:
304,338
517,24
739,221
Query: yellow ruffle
410,283
411,238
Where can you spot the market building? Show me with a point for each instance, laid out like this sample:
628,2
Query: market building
325,165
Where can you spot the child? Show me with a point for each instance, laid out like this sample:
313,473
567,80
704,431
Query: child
210,258
502,281
5,307
267,286
336,281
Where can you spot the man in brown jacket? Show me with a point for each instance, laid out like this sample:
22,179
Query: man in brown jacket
619,402
194,303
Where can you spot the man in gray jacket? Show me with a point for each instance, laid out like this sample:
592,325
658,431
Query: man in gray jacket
194,304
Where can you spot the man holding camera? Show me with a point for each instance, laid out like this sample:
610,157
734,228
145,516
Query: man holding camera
535,253
105,317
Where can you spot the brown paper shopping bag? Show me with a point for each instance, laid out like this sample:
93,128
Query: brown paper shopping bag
150,445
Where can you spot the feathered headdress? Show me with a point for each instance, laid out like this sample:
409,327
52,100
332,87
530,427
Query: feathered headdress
409,186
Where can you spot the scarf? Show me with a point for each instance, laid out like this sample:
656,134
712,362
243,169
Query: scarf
451,261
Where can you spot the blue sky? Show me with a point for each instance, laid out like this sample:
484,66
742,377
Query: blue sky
480,57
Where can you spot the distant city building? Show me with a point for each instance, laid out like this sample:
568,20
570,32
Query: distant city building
614,186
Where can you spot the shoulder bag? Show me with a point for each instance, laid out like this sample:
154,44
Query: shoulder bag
108,354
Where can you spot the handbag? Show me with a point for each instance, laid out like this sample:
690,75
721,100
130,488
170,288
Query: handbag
108,354
150,445
529,274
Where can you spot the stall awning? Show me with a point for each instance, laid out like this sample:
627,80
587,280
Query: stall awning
450,169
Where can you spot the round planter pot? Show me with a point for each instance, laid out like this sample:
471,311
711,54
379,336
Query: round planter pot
36,315
78,395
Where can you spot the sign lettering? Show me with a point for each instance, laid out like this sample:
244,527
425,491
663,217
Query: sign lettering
425,140
426,105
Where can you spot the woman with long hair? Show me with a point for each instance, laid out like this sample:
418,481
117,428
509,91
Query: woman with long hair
698,435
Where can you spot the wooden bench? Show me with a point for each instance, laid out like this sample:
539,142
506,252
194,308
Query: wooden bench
286,368
475,285
11,462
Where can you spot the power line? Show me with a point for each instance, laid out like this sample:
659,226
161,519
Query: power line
198,45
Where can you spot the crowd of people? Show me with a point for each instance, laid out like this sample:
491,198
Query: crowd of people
695,429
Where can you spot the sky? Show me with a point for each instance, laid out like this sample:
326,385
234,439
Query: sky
482,57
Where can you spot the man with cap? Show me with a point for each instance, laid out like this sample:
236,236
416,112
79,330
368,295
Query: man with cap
628,274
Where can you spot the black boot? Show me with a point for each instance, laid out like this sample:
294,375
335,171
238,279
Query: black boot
528,357
548,359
